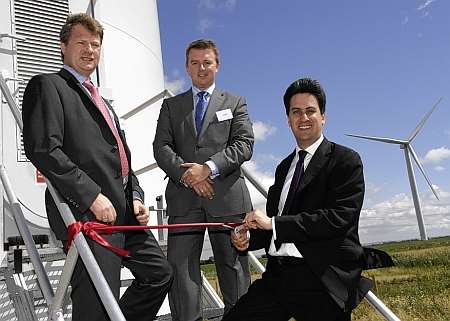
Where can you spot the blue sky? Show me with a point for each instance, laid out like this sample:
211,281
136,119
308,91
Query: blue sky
382,63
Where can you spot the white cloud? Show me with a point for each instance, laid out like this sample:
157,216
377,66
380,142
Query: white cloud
395,218
439,168
204,24
176,83
437,155
425,4
263,130
265,179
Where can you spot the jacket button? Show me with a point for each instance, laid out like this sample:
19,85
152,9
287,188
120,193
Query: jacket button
114,149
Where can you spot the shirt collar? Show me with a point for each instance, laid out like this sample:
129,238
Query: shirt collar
312,148
209,90
74,73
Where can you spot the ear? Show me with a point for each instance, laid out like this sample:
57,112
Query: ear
62,45
323,119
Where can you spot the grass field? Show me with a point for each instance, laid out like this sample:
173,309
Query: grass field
416,289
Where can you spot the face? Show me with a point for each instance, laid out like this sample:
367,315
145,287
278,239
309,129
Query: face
202,67
82,51
305,119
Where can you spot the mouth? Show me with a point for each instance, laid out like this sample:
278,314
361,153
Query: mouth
304,127
87,59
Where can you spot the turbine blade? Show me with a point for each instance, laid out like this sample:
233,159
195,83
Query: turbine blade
422,122
416,159
380,139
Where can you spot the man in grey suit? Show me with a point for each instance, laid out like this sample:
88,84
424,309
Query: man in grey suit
202,138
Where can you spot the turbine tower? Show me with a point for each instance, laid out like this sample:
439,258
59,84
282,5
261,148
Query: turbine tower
409,151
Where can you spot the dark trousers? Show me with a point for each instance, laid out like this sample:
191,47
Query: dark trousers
286,290
184,248
142,300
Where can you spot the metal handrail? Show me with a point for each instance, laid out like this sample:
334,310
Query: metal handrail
151,101
19,218
94,271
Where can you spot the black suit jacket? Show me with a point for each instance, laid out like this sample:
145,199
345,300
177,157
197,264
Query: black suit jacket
323,220
69,141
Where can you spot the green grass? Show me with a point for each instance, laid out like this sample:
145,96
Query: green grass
416,289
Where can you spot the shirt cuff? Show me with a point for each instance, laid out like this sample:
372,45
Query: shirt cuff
273,228
214,169
137,196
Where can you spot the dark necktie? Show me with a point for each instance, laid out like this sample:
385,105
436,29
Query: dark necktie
298,173
104,110
200,109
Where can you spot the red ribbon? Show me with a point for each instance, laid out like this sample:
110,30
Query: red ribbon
93,230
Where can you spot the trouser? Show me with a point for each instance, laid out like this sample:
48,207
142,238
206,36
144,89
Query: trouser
184,250
287,289
142,300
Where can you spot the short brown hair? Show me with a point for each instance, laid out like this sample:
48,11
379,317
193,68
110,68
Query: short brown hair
80,19
202,44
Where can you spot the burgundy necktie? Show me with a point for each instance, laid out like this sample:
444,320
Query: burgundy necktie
104,110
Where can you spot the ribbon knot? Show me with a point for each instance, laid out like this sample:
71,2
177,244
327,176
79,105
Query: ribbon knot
93,230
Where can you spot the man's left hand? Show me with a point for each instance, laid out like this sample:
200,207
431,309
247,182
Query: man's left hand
195,173
141,212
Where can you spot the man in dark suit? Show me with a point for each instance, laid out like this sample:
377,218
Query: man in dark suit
74,138
310,231
202,138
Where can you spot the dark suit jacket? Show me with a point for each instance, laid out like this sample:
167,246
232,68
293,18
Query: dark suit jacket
323,220
228,143
69,141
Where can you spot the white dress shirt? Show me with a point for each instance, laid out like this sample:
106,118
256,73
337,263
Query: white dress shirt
289,249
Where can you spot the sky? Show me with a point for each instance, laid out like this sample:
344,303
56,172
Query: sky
383,65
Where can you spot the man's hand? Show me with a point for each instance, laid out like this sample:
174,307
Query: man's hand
257,219
195,173
240,240
103,209
204,189
141,212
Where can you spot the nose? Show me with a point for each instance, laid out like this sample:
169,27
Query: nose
202,67
303,116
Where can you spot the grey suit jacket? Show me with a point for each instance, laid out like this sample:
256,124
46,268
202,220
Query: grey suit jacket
228,143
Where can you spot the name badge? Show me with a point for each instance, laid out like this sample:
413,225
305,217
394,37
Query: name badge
224,114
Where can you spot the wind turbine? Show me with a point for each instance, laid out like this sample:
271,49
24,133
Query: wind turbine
409,151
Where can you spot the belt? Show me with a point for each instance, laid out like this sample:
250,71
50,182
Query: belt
287,260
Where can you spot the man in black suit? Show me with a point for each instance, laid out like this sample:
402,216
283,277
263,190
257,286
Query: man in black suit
310,231
74,138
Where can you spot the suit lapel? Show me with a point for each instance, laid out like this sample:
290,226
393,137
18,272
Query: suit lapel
187,106
83,94
215,103
317,162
